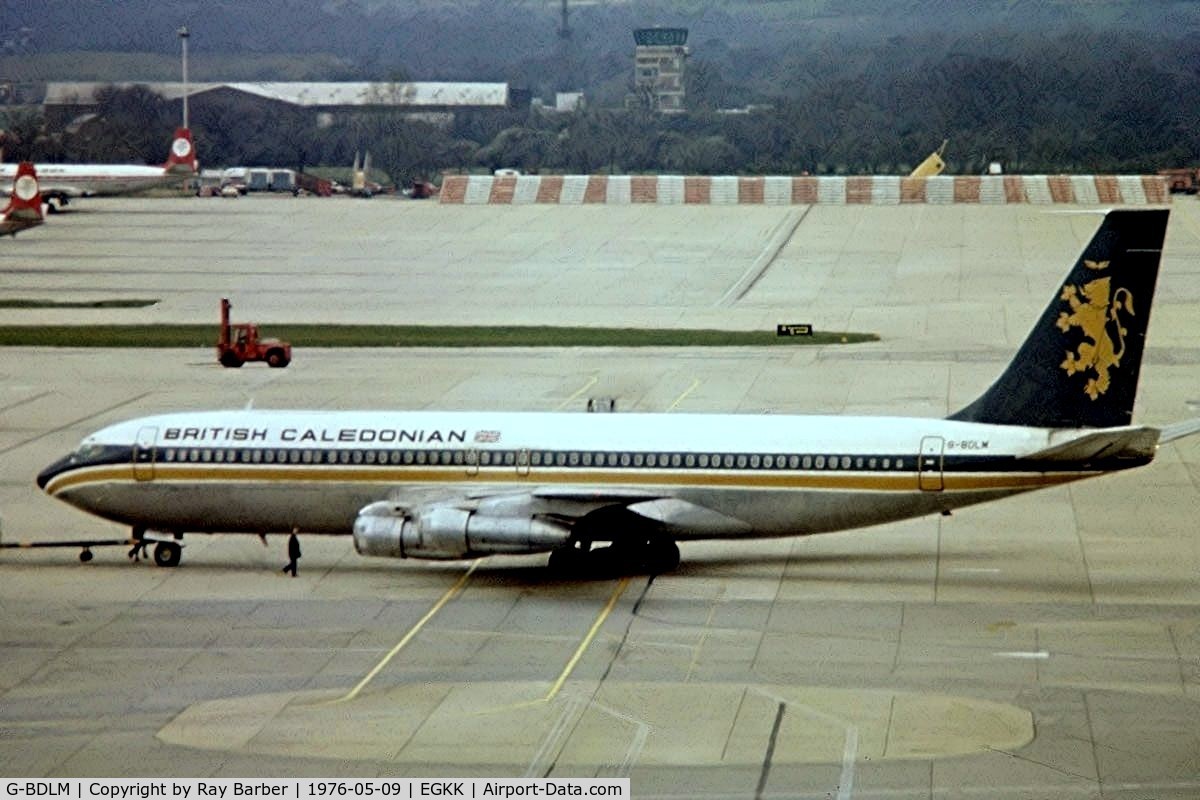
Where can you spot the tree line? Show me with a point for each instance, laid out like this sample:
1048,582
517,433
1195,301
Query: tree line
1083,101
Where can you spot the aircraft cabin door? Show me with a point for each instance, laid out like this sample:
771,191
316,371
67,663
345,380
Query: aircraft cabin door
143,454
929,464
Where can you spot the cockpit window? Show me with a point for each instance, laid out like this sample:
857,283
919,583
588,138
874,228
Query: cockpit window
88,451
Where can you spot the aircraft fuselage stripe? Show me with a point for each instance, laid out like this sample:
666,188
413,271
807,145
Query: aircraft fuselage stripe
897,481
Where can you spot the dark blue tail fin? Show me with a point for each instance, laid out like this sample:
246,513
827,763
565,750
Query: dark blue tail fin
1078,368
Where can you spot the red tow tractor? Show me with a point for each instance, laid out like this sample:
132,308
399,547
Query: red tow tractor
241,343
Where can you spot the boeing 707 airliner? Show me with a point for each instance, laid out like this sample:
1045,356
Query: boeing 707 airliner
461,485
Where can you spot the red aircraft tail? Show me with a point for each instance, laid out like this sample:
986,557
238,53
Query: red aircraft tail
182,158
24,209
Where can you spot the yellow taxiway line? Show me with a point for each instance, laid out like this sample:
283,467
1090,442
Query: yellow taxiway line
408,637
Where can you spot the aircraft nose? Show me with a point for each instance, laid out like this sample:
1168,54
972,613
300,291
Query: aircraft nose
46,475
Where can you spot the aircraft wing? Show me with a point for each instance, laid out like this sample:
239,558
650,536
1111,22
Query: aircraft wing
574,503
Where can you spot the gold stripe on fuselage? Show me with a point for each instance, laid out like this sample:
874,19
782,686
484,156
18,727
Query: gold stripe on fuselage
901,481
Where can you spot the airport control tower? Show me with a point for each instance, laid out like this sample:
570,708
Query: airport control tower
659,60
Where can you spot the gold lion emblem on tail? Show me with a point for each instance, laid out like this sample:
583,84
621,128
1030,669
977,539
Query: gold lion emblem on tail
1093,307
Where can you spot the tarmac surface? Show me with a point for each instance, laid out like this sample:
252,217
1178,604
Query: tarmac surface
1043,646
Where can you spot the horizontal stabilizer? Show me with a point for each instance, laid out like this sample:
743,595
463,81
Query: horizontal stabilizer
1111,443
1179,430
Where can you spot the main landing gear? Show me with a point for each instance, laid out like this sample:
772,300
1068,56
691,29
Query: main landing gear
653,555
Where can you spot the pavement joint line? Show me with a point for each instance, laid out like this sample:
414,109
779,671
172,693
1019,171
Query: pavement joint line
587,640
450,594
779,238
845,786
74,422
556,687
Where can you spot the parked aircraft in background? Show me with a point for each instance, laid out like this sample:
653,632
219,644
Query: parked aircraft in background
24,209
460,485
62,182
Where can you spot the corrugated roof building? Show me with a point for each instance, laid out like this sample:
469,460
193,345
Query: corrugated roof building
66,101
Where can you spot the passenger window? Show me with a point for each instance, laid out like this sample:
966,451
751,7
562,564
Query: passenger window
624,459
793,461
573,459
612,459
769,462
651,460
587,459
689,460
535,458
206,456
887,463
858,463
728,459
741,462
458,457
168,455
703,460
485,458
755,461
820,462
257,456
408,456
845,462
899,463
639,459
872,463
369,456
510,458
560,459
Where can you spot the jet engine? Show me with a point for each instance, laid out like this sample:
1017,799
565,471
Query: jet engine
447,532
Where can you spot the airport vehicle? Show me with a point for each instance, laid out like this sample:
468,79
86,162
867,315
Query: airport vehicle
933,163
321,187
62,182
437,485
24,209
237,344
1181,181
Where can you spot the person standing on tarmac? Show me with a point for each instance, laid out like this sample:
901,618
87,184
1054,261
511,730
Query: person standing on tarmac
293,554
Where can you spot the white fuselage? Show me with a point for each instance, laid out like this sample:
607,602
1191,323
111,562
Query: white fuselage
86,180
269,471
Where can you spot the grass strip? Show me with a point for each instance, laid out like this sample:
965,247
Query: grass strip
20,303
410,336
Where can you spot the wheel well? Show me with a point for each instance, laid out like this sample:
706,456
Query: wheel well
616,524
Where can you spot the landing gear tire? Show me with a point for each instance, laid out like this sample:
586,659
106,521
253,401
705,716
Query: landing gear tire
661,555
167,554
568,560
86,555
